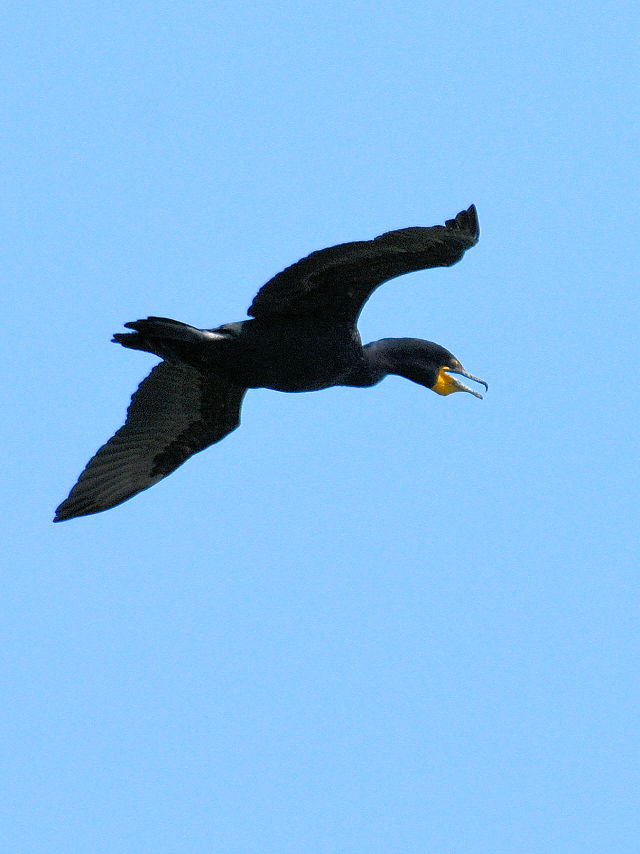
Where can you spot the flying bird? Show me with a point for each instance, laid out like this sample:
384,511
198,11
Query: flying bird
302,336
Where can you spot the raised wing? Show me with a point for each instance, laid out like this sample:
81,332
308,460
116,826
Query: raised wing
335,283
175,413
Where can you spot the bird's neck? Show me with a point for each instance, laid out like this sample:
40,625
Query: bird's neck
379,358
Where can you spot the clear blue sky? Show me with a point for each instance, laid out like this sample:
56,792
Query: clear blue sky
369,620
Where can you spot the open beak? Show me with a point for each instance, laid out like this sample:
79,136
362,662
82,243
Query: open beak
447,384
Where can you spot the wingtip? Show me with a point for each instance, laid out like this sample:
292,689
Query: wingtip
466,221
71,509
60,515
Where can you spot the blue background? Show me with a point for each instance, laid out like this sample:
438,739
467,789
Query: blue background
368,621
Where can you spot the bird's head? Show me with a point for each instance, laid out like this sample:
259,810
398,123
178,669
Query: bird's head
425,363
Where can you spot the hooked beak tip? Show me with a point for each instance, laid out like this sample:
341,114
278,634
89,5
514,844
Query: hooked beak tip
475,379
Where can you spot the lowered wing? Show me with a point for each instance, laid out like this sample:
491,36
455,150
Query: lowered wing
176,412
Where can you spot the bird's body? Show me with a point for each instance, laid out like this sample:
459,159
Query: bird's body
302,337
284,354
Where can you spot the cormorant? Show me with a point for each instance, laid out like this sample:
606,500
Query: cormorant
303,337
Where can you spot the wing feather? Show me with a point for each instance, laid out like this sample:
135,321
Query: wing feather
335,283
176,412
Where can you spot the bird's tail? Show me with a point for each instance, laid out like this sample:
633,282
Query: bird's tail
169,339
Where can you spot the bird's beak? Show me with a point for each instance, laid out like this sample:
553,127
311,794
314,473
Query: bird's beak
447,384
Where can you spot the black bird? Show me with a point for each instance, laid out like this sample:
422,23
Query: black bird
303,337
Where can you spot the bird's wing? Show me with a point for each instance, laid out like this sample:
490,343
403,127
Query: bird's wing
335,283
175,412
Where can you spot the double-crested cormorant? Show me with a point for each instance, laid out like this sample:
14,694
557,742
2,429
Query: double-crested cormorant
302,337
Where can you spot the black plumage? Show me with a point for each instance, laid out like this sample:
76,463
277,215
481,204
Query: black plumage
303,337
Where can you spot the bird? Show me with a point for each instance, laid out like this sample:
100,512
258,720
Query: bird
301,336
